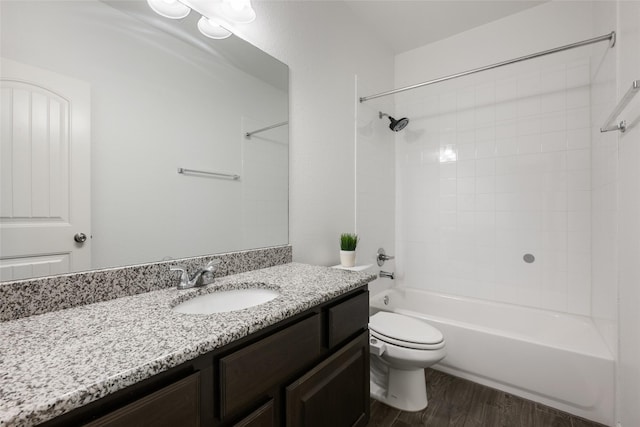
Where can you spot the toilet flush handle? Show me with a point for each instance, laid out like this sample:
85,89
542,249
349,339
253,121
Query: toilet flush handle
376,347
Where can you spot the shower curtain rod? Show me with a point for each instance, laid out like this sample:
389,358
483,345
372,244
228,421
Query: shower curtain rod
611,36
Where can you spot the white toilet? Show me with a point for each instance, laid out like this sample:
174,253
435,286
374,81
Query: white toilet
401,348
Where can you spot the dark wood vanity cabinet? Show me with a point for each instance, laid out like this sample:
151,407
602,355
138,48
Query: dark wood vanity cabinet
177,404
336,392
309,370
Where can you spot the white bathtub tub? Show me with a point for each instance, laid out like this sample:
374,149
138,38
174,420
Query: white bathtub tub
553,358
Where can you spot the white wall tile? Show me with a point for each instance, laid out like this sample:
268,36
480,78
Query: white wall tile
552,102
485,149
448,203
506,147
554,201
466,98
552,79
506,110
485,167
579,201
578,118
529,106
529,125
506,90
553,122
578,159
507,165
448,170
466,202
466,168
485,202
578,180
528,144
485,184
466,185
579,284
578,97
553,141
520,181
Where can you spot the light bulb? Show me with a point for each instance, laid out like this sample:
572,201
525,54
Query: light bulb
238,11
238,5
169,8
211,29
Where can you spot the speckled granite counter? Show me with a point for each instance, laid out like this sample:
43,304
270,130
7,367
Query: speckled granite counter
55,362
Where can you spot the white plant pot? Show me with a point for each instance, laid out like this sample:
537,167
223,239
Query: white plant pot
348,258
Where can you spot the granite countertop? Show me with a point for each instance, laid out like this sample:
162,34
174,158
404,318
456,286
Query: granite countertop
55,362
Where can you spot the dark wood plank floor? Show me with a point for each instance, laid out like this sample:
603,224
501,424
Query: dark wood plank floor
461,403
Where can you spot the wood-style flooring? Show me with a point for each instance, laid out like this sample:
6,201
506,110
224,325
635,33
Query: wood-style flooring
457,402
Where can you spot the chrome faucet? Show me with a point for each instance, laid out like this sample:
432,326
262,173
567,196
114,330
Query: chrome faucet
387,274
197,279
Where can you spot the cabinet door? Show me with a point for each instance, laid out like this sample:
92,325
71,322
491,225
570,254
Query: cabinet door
175,405
261,417
336,392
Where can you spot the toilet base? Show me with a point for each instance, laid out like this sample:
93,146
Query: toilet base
405,389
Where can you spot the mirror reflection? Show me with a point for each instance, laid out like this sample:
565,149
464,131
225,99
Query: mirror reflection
102,103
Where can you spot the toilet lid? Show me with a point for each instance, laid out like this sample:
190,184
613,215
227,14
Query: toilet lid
404,328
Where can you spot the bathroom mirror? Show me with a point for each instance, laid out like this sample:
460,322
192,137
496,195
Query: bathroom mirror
102,103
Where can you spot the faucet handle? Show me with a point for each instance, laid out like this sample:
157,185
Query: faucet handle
184,276
210,269
213,265
381,257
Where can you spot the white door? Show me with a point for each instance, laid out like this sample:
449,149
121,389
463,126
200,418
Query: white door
44,172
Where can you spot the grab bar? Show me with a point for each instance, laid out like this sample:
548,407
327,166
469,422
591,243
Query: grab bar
622,125
215,174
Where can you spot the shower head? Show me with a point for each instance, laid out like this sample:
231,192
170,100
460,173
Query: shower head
395,125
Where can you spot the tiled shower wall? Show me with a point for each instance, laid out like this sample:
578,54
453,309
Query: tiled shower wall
500,170
495,168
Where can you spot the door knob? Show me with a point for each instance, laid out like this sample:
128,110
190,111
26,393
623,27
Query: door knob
80,237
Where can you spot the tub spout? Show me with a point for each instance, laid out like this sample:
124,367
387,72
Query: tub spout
387,274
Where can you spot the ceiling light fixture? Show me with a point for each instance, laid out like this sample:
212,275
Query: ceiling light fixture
217,15
172,9
238,11
210,28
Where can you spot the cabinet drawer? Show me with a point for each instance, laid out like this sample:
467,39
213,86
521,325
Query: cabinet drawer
261,417
175,405
336,392
348,318
248,374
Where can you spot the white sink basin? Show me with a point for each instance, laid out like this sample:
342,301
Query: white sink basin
225,301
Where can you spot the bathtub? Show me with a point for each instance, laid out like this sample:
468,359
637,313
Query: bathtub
557,359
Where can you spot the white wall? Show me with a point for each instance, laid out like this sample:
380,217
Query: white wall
520,180
629,219
375,182
326,49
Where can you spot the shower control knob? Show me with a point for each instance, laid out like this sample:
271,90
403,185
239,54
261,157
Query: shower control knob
382,256
80,237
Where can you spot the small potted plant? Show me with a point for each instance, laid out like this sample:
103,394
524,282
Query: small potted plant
348,244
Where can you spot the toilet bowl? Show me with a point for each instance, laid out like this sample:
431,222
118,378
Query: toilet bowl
401,348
